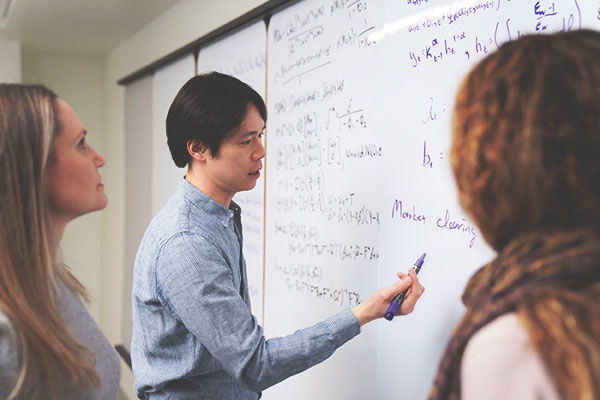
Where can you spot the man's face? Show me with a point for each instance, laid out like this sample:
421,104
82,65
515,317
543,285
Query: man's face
237,165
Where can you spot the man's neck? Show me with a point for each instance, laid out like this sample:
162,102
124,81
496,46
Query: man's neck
197,179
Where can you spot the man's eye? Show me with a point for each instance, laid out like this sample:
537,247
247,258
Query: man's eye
247,141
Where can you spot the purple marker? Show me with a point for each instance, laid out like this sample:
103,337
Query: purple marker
391,311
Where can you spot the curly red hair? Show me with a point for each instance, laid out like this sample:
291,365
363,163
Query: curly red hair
526,136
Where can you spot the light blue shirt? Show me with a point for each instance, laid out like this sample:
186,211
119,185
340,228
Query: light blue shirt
194,336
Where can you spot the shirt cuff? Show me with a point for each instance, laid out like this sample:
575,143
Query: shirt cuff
343,326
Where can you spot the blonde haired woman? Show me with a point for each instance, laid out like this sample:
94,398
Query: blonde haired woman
50,347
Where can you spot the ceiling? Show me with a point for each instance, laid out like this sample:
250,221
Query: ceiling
83,27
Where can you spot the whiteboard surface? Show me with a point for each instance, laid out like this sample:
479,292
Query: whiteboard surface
323,217
358,177
243,55
358,182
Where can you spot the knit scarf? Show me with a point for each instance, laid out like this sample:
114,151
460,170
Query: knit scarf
551,279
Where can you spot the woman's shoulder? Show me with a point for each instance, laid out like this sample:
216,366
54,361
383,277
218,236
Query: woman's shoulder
8,340
88,333
9,348
500,362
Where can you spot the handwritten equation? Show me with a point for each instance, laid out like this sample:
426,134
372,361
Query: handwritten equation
462,42
328,207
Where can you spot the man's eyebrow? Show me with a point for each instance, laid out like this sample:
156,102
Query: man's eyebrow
250,133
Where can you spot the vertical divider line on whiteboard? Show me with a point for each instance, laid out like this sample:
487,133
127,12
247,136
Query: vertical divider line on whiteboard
266,21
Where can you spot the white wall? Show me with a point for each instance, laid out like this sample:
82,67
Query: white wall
80,82
182,24
138,182
10,61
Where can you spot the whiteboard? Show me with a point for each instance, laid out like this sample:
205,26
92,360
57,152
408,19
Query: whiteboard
357,182
358,177
243,55
165,175
323,214
429,48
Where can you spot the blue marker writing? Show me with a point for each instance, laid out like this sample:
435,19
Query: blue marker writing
397,301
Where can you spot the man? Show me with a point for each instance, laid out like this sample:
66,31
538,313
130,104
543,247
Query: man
194,335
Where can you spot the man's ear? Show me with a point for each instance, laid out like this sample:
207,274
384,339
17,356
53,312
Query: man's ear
197,150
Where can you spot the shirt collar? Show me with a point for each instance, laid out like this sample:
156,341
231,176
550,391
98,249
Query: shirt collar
199,199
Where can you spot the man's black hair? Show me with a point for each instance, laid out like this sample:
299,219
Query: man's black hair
206,109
